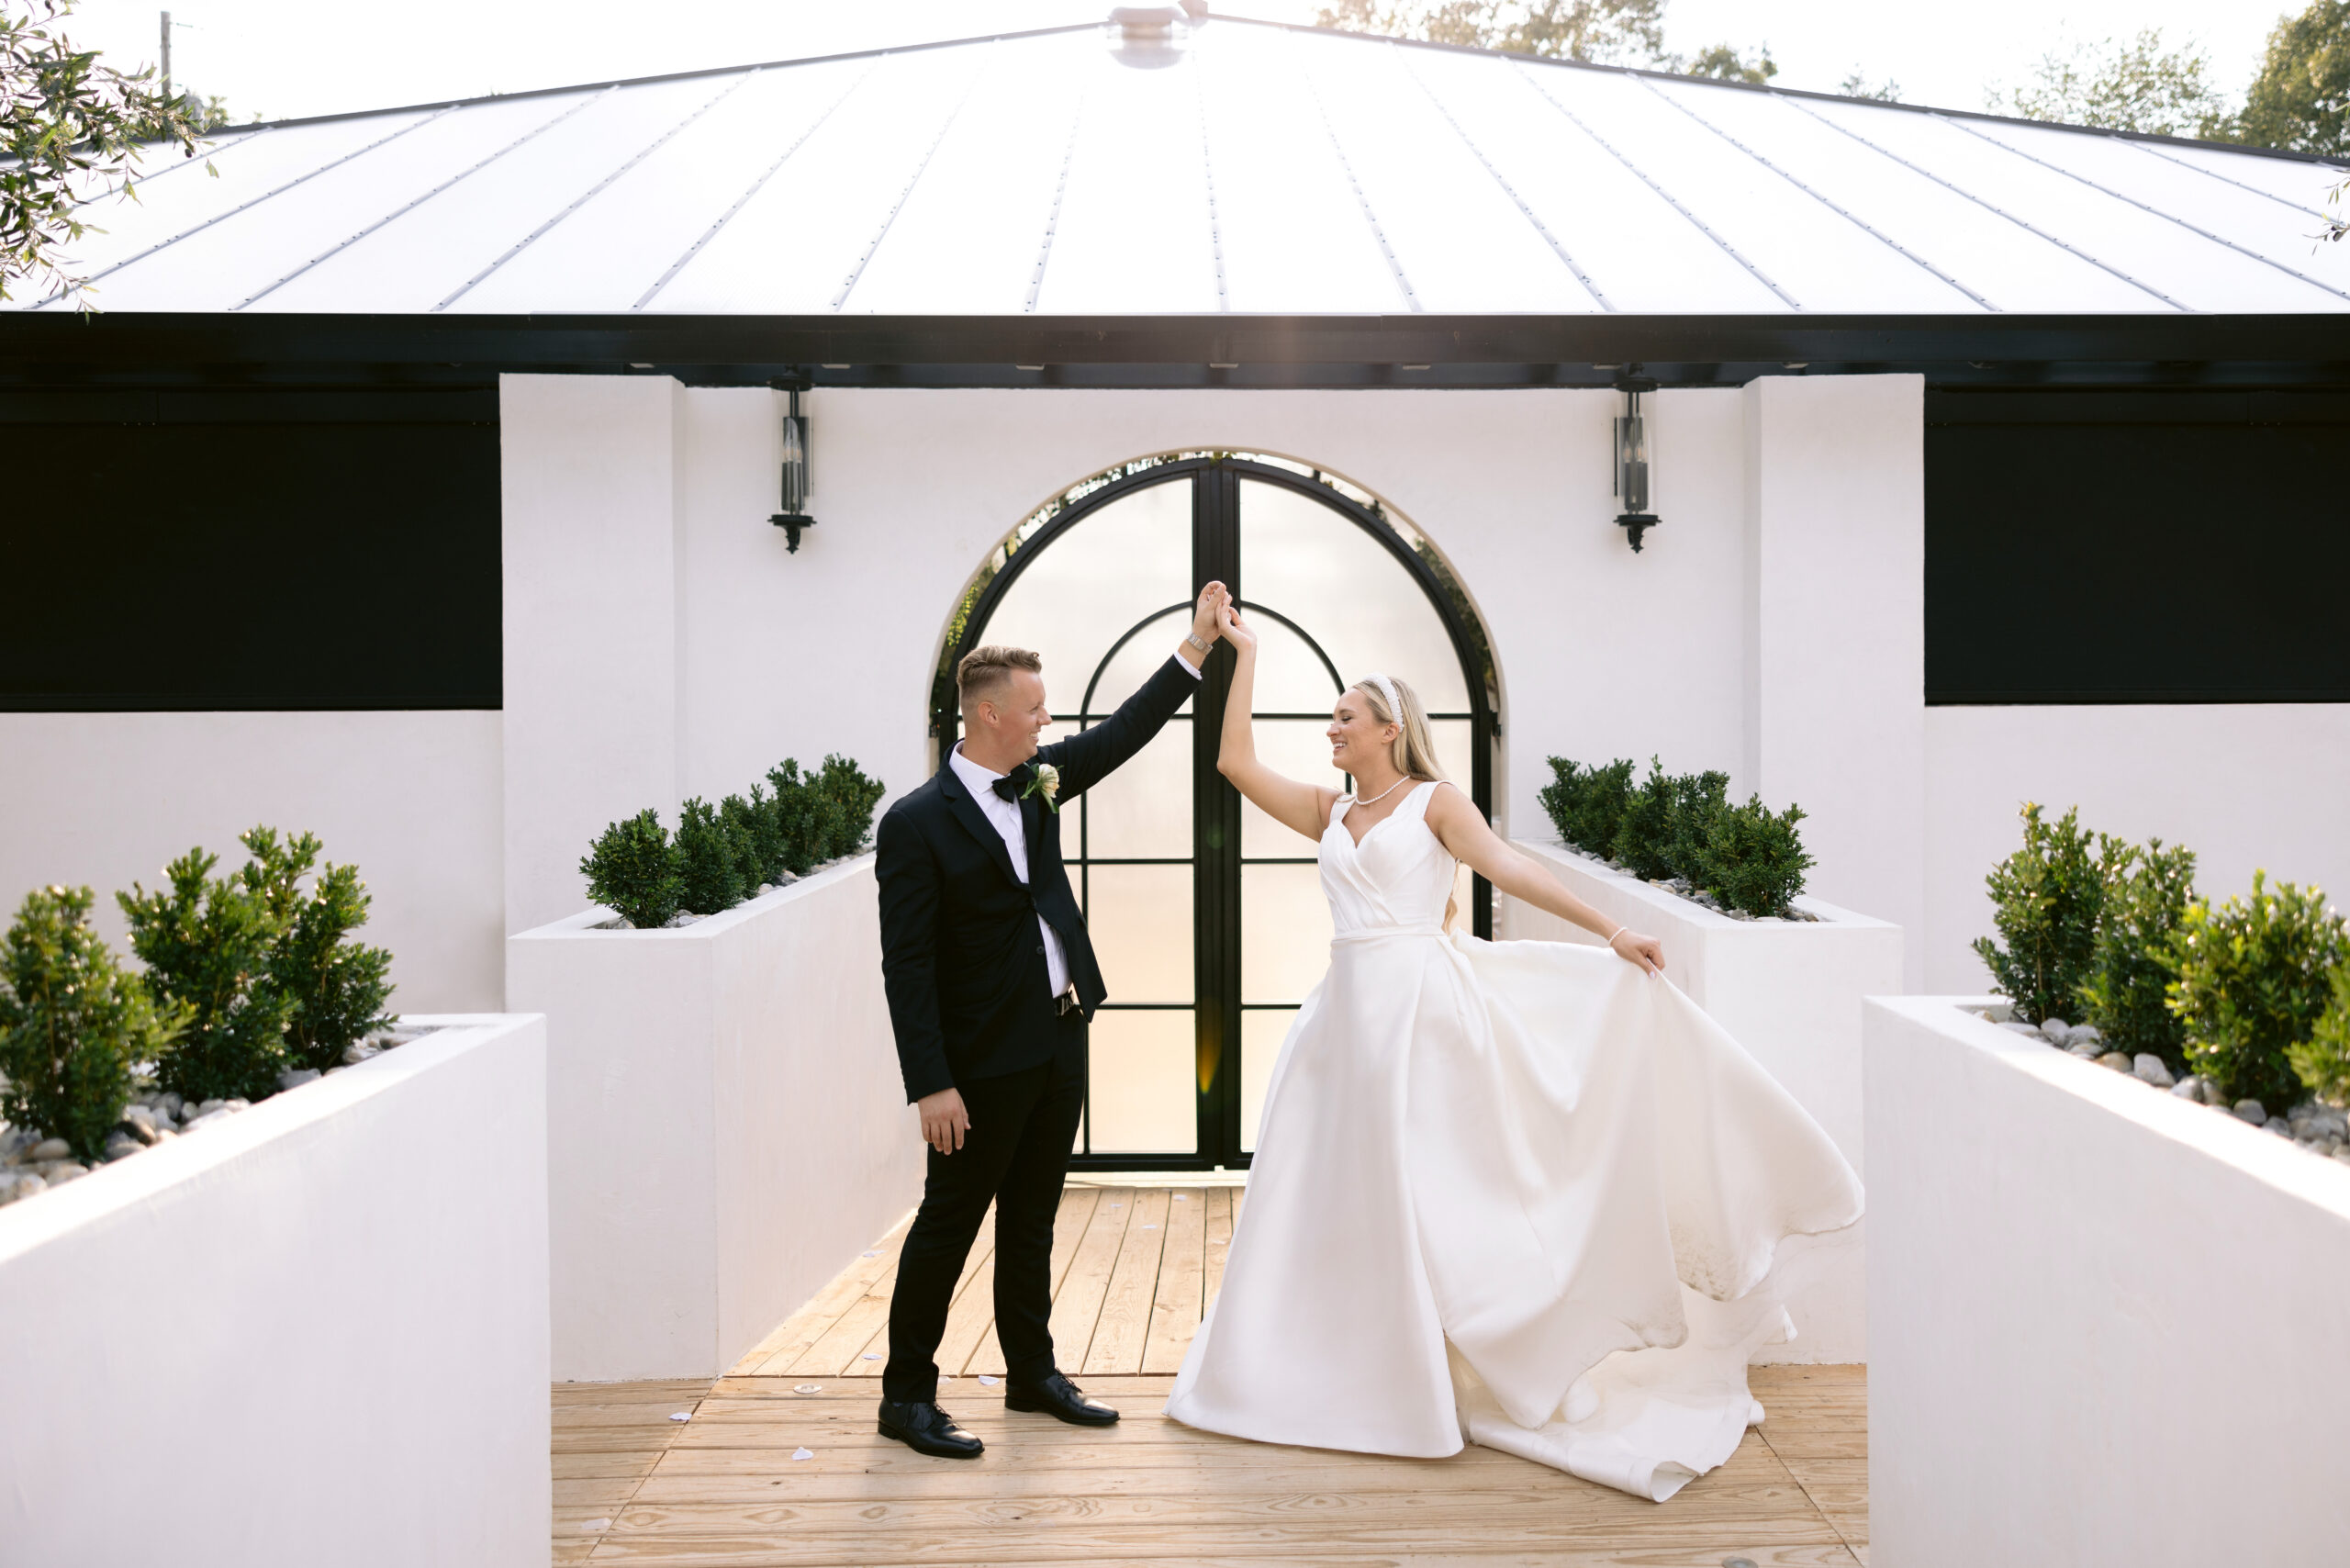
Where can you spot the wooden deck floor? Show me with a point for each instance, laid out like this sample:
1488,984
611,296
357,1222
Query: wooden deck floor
1132,1269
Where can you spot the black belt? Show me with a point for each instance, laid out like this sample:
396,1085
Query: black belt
1067,1001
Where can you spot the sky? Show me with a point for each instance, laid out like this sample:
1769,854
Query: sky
290,58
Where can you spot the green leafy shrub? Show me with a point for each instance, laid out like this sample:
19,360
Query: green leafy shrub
1697,800
2322,1061
801,815
74,1022
632,870
2046,897
208,944
1754,861
2254,979
1586,804
758,825
1640,840
711,856
335,989
853,797
2131,962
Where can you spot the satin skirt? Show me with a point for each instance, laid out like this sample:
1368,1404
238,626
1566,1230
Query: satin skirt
1516,1193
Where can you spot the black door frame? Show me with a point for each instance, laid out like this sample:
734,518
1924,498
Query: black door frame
1215,804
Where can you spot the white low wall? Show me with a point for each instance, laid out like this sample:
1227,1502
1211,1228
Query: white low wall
2108,1326
315,1333
727,1124
1790,992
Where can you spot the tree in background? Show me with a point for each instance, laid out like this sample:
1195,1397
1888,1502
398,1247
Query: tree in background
1858,86
69,126
1607,33
2137,86
2301,99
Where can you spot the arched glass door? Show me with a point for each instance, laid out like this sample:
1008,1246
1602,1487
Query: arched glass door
1207,915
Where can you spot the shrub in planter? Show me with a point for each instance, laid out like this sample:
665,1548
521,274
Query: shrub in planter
2254,979
802,815
72,1023
632,870
334,988
757,825
2130,960
711,856
2324,1060
853,796
2046,897
1640,840
1754,860
1586,804
207,944
1697,800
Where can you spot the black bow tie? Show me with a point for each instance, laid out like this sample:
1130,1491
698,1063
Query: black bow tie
1009,788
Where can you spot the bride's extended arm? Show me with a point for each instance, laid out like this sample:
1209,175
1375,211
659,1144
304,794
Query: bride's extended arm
1289,803
1455,820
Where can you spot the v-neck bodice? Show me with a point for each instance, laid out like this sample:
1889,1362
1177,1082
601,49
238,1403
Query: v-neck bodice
1396,880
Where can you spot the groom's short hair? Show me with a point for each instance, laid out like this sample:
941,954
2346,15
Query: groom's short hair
986,671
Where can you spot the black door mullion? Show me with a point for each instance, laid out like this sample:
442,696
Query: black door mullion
1215,809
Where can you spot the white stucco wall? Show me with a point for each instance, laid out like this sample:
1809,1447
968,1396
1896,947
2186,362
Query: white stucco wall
2106,1325
410,798
316,1333
727,1127
1602,653
2241,786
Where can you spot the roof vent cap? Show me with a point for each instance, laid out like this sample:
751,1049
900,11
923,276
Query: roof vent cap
1149,37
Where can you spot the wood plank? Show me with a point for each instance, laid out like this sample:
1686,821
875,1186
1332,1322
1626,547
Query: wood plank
1079,1205
1077,1304
973,1313
1124,1325
758,1551
791,1339
838,1353
1219,1243
1175,1307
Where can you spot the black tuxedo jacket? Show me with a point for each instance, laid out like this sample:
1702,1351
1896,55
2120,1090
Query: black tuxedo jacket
962,961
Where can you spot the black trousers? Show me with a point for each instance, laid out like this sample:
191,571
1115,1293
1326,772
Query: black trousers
1016,1156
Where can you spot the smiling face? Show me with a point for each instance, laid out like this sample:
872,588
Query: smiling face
1359,742
1013,718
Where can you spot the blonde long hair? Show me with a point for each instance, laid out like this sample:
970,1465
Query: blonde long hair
1414,746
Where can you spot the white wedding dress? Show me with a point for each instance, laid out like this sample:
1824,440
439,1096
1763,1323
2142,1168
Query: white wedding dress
1519,1193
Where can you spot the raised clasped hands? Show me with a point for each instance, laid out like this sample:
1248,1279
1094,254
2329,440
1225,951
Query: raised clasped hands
1230,626
1207,615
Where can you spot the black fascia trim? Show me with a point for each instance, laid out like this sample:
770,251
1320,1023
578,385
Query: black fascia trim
2167,697
244,702
59,349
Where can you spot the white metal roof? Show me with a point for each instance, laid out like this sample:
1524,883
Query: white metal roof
1268,170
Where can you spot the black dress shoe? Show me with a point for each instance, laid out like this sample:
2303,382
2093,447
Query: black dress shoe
925,1428
1059,1398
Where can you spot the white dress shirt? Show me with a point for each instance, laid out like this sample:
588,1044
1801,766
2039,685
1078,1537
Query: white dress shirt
1004,817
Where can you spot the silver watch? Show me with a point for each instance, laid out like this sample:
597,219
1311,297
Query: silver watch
1194,638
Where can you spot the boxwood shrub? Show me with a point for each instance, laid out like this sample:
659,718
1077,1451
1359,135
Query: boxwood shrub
1681,826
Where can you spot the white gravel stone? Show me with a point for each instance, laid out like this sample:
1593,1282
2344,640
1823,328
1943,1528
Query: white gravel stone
52,1148
2189,1088
295,1077
2057,1030
2150,1067
2118,1063
2251,1111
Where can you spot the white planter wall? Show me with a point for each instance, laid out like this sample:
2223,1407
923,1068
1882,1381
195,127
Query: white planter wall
1790,992
316,1333
2108,1326
727,1126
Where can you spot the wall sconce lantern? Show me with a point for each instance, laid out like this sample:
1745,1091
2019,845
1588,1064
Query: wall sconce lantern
1633,457
794,515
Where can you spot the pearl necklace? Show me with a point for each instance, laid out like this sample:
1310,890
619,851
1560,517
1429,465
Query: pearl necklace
1384,793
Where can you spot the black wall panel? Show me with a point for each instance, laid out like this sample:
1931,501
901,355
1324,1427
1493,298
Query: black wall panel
2137,547
310,550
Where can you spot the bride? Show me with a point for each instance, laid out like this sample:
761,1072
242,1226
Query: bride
1522,1193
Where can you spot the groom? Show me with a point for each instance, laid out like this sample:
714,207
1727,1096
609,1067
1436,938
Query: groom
992,982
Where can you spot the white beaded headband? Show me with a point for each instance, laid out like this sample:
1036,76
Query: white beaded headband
1387,689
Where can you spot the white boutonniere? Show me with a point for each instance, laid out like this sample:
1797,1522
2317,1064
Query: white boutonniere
1046,784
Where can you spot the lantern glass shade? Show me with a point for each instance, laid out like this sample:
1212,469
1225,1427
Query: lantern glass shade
1632,456
796,483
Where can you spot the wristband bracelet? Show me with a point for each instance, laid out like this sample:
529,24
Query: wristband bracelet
1615,933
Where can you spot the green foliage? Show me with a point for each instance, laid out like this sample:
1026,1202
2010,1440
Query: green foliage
1723,63
710,859
2045,898
2253,982
757,827
208,943
68,124
334,988
2322,1061
1613,32
632,870
1640,840
2300,98
2131,962
2136,86
853,797
1586,804
1754,860
72,1023
1858,86
802,816
1697,800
